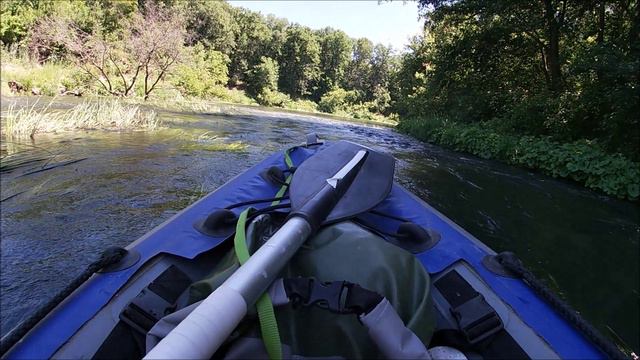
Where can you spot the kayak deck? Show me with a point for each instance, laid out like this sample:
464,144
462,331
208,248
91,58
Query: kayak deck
78,326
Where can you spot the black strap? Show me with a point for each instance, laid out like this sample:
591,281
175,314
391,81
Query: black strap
341,297
480,329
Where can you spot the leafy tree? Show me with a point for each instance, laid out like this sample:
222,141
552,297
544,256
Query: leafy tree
15,19
553,67
252,37
278,31
211,23
202,71
299,62
335,53
359,70
262,77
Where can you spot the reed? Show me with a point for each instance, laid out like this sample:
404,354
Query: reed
90,115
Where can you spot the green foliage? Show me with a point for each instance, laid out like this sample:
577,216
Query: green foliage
15,19
230,95
204,71
299,63
269,97
211,23
262,77
567,71
49,79
582,161
337,99
251,39
335,53
302,105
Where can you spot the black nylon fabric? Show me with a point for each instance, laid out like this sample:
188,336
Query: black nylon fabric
345,251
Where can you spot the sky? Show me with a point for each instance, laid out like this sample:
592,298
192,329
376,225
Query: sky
389,23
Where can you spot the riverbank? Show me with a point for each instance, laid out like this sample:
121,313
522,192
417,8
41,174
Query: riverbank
581,161
20,76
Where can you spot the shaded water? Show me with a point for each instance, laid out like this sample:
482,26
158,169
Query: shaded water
55,222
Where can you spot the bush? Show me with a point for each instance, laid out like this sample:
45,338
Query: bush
302,105
582,161
262,77
204,71
337,99
230,95
273,98
48,78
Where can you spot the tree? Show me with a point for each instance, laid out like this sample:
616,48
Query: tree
263,76
335,53
552,67
211,23
359,68
252,37
149,47
299,62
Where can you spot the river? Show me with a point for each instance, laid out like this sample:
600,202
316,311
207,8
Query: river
55,222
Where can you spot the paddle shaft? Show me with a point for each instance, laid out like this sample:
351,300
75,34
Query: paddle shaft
202,332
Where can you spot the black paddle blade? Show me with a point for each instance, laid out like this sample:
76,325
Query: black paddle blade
371,185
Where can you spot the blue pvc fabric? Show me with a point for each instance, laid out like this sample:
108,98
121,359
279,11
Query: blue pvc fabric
177,236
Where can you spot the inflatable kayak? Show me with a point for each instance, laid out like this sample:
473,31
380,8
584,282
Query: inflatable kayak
314,252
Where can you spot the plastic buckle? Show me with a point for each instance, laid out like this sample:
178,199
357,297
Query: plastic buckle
145,310
477,319
328,296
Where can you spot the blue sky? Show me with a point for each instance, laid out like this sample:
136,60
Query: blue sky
389,23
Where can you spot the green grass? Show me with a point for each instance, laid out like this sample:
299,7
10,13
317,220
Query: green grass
104,115
48,78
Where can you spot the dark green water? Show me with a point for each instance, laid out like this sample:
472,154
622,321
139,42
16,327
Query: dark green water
584,244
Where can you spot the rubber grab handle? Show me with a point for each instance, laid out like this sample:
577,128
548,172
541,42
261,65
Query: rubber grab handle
202,332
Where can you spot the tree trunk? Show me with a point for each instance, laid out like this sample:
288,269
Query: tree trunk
601,23
552,49
600,39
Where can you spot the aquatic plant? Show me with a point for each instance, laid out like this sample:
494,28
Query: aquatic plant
208,142
90,115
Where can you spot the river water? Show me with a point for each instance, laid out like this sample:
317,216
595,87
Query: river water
583,244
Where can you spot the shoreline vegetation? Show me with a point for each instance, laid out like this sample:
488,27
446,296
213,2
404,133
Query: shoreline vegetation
537,93
110,114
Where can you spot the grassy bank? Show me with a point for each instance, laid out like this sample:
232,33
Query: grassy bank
581,161
60,78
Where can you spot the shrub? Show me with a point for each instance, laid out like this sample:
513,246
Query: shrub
302,105
205,70
582,161
230,95
337,99
273,98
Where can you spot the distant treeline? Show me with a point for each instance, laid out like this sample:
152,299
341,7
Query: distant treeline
274,60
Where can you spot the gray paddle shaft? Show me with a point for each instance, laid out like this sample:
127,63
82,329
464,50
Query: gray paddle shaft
202,332
254,277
